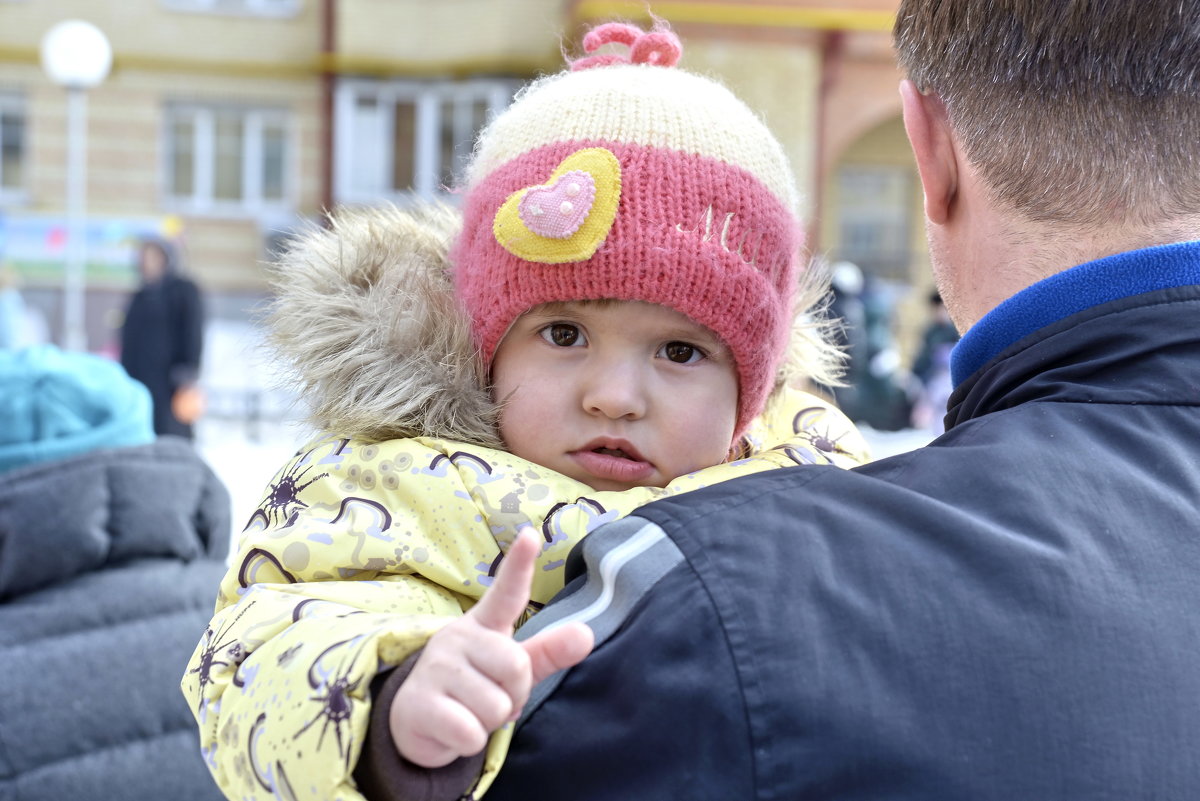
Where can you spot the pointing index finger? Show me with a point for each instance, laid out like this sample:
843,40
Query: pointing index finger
507,598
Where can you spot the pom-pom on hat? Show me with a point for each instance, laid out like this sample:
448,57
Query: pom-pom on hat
626,178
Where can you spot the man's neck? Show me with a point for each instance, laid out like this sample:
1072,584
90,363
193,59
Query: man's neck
1015,254
1070,291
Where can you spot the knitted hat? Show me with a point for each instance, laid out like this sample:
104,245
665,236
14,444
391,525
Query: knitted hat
628,179
55,404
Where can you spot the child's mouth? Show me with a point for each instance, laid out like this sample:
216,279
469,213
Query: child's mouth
613,461
614,452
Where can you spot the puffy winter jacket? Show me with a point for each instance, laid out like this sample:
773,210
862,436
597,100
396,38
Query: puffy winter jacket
108,564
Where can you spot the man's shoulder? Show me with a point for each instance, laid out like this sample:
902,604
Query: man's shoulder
964,468
880,618
803,492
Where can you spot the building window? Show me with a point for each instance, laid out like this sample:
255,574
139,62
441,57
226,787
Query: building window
874,206
404,139
12,149
226,160
252,8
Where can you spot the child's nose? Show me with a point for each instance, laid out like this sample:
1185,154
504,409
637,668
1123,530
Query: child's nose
616,390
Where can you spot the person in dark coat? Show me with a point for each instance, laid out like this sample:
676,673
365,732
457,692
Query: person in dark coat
1011,611
162,338
939,333
931,385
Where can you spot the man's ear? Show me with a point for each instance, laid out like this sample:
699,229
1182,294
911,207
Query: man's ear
929,133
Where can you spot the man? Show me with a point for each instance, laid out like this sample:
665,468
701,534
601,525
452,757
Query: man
1011,612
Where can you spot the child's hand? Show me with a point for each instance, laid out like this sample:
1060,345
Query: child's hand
473,677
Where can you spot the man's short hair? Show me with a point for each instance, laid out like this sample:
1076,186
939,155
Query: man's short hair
1074,111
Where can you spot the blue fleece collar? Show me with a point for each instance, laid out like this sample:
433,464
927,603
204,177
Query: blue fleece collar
1071,291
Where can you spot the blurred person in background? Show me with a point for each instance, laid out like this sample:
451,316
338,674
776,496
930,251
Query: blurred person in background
872,389
847,309
937,334
931,383
111,541
163,336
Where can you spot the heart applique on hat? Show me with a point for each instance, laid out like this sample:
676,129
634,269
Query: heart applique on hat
566,218
557,211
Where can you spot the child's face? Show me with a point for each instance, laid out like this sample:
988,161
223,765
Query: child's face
615,394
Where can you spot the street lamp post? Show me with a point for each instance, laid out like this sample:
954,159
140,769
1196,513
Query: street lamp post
77,56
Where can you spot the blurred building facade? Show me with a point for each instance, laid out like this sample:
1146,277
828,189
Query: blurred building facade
225,124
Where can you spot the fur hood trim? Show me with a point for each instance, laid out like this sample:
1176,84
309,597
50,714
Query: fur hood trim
365,317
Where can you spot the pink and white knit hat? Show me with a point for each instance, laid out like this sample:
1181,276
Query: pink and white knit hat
628,179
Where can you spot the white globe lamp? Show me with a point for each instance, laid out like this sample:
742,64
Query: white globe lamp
76,54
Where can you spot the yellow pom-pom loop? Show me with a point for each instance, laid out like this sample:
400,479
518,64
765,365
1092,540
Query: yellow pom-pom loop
568,217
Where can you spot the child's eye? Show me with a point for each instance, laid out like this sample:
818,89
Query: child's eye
564,335
681,352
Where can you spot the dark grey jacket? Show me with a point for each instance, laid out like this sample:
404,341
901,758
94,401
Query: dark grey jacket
1010,613
108,566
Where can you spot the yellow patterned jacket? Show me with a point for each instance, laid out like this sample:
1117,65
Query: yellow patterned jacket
359,552
364,545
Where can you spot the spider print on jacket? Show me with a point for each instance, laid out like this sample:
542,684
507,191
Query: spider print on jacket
813,427
212,644
261,566
283,497
334,689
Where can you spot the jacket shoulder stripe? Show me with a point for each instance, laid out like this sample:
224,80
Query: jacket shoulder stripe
624,559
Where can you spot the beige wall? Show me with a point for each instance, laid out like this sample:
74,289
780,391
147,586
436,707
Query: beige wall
862,92
125,141
419,36
140,30
886,145
125,158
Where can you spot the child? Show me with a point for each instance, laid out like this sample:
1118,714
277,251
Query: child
617,312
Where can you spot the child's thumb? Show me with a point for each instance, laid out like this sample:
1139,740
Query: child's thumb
558,649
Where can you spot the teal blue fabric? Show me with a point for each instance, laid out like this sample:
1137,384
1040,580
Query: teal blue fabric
55,404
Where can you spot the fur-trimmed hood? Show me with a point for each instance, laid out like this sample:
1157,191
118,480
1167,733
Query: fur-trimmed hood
365,317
